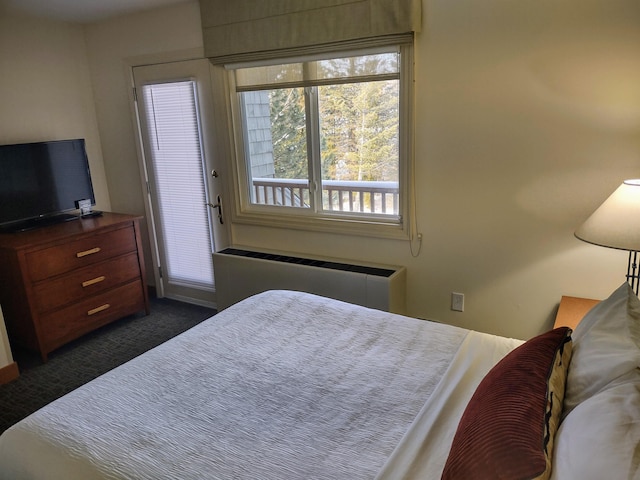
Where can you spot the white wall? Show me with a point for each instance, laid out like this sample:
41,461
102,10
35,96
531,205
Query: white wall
527,117
45,88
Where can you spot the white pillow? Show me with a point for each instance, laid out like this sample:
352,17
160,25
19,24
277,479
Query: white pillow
599,438
606,348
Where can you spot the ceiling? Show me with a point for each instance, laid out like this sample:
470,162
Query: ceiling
83,11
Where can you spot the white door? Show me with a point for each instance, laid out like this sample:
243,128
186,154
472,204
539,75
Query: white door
174,105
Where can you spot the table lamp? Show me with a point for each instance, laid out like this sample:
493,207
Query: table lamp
616,224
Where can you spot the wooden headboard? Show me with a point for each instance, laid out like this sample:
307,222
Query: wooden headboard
571,311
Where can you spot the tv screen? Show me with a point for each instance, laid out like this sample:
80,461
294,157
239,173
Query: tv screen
41,181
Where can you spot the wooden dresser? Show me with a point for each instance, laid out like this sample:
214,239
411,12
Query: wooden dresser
60,282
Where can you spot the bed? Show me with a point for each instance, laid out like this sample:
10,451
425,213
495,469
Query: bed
288,385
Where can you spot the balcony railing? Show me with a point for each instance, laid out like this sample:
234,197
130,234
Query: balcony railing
337,195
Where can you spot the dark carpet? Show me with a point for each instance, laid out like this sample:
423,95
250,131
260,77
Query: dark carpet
92,355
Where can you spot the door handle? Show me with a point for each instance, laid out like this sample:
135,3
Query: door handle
218,206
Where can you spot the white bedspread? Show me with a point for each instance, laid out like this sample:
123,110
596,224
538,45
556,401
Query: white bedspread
284,385
423,451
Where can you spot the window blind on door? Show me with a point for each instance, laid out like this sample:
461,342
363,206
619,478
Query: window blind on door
174,137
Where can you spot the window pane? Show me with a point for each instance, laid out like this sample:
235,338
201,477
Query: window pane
276,146
360,66
359,144
337,70
269,75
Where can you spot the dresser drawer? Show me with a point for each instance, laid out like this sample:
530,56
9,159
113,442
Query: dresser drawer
70,323
87,281
52,261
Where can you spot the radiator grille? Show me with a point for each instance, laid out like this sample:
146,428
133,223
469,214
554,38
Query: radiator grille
380,272
241,273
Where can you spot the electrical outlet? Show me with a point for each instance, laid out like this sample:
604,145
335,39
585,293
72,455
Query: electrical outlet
457,302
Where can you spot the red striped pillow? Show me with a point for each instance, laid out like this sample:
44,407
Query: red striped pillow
508,426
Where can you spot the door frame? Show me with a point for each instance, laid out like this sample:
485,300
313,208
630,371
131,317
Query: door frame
216,150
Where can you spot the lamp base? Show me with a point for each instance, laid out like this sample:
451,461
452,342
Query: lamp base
633,273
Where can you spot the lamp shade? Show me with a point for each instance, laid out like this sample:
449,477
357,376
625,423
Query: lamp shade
616,223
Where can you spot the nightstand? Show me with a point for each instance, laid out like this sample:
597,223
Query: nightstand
572,310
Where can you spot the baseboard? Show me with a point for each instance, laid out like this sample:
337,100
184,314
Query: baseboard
9,373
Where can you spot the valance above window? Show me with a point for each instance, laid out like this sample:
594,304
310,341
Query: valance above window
248,30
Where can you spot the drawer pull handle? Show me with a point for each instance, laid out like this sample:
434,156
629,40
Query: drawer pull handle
91,251
99,309
93,281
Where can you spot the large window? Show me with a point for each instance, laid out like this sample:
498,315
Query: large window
322,139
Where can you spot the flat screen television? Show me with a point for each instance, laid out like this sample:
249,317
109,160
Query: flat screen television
41,182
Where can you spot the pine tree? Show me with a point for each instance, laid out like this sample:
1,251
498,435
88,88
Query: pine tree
358,127
288,132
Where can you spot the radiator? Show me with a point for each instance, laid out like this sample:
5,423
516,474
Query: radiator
241,273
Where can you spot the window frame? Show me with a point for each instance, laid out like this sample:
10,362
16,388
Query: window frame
385,226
